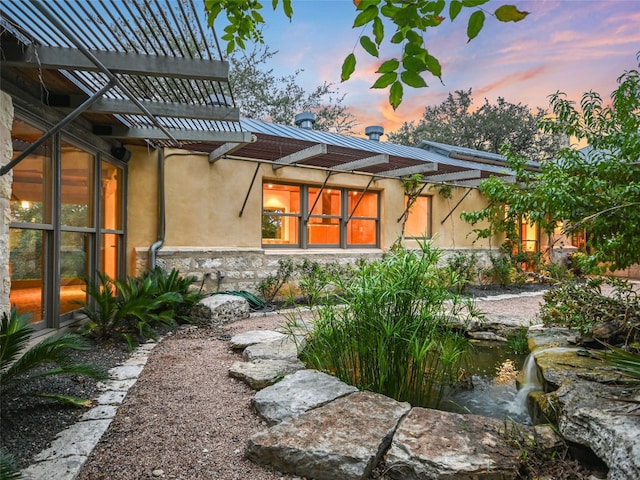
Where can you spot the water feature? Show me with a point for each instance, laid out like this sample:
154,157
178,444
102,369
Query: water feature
493,369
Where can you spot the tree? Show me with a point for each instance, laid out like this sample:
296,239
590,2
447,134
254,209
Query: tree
487,129
409,19
262,95
596,189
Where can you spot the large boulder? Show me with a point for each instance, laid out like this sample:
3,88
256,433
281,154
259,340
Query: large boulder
589,401
342,440
297,393
220,309
602,418
431,444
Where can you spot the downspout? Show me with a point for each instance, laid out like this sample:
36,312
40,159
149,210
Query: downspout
157,245
162,211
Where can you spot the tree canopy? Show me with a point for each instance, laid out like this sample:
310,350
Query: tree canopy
488,128
264,96
409,22
595,189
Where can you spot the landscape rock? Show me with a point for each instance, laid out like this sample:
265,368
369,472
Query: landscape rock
600,417
431,444
220,309
297,393
342,440
283,349
243,340
259,374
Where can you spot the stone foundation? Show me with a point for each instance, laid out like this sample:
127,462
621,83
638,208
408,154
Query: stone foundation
228,269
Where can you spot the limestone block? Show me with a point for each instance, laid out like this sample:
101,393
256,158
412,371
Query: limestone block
600,417
298,393
342,440
262,373
431,444
279,349
220,309
246,339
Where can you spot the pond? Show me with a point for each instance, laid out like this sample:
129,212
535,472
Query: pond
492,368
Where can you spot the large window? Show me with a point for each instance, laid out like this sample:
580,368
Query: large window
66,224
311,216
418,223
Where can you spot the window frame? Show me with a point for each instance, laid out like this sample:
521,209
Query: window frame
304,215
52,232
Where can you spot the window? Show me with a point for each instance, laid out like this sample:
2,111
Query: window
334,217
280,214
325,216
529,237
418,223
66,223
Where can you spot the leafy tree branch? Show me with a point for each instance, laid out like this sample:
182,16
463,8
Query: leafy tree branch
409,20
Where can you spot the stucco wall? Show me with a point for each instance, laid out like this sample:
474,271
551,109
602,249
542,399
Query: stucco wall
6,152
204,201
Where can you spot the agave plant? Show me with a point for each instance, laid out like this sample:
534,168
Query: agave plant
20,367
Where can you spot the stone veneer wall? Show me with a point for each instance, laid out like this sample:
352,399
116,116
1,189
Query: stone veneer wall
243,269
6,152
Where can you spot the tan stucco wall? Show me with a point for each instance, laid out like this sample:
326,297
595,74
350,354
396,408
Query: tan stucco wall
204,200
6,152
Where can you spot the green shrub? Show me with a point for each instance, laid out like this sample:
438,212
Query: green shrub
394,335
583,306
20,368
517,340
501,271
557,272
466,266
270,286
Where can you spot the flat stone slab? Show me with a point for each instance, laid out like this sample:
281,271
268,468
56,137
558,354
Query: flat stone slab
286,348
78,439
246,339
259,374
431,444
297,393
342,440
66,468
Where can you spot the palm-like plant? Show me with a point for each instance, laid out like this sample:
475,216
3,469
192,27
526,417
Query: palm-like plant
130,309
20,366
8,468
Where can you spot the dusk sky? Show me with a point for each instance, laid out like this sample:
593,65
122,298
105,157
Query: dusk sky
569,45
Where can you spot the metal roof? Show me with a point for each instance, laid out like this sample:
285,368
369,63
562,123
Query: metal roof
169,81
274,142
476,155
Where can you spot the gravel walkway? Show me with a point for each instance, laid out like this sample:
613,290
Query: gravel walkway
185,418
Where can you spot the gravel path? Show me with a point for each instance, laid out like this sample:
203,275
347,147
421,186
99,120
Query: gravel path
185,418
